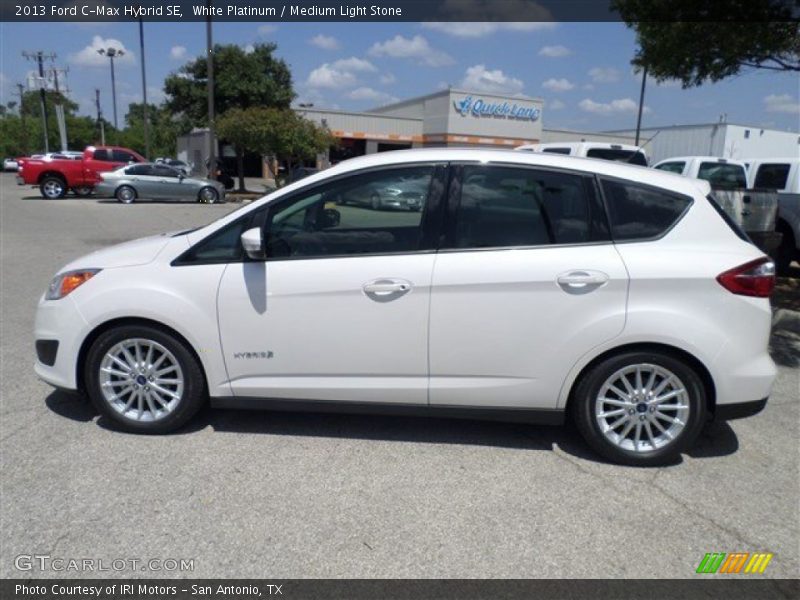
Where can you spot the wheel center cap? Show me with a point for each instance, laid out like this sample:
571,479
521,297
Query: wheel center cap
641,407
141,379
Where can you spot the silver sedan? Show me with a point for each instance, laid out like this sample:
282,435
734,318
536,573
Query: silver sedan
157,182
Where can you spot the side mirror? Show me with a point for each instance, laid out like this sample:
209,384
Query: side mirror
253,244
181,176
330,218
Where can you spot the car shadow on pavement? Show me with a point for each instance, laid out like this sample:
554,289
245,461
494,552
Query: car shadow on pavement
717,439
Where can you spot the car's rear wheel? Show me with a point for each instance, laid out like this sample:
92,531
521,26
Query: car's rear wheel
640,408
143,379
82,191
208,195
52,187
125,194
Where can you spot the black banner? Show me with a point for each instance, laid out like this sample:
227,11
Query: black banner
743,587
385,10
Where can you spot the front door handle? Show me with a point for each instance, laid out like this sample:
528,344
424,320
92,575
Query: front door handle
386,290
581,282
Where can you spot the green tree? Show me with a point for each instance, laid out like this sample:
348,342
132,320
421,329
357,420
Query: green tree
280,135
164,129
242,80
733,36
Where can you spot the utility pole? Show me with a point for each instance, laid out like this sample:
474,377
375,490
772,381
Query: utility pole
212,150
144,92
21,92
100,117
39,57
641,105
60,116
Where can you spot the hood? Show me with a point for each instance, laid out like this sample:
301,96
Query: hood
127,254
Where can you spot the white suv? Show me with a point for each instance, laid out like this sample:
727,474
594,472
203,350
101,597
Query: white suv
530,286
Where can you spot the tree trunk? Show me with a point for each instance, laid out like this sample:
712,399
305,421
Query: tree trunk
240,168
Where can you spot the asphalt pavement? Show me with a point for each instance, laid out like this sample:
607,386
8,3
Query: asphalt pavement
301,495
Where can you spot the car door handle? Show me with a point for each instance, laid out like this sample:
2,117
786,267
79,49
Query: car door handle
581,281
386,290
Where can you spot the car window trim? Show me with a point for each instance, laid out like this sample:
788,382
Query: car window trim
601,178
454,202
439,167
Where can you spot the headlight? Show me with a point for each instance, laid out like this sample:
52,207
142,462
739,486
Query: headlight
65,283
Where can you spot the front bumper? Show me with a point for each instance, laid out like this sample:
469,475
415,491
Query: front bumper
61,322
104,190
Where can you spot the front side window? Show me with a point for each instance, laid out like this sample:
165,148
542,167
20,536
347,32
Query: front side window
369,213
510,206
723,175
672,167
122,156
225,245
165,171
557,150
101,154
772,176
639,212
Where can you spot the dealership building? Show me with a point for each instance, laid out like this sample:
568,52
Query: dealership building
459,117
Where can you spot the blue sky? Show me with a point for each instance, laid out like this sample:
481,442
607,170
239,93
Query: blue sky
581,70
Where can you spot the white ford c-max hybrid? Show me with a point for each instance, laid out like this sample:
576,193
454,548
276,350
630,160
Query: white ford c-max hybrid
529,287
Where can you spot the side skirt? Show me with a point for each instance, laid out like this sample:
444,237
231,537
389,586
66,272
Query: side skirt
513,415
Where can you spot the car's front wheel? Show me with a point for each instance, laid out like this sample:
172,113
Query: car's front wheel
640,408
125,194
208,195
143,379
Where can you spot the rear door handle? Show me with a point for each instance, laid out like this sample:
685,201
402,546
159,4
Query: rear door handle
581,282
386,290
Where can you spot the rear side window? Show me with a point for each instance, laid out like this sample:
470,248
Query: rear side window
619,155
557,150
723,175
639,212
772,176
123,156
508,206
672,167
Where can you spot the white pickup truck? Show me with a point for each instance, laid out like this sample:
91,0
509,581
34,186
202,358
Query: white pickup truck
755,210
781,175
633,155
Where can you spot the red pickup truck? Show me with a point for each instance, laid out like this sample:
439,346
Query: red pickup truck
56,176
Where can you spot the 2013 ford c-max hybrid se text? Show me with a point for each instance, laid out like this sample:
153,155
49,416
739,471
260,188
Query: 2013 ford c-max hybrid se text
529,287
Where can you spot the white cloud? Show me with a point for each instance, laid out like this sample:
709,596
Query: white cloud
326,42
339,74
416,48
554,51
388,79
89,57
368,93
177,52
621,105
558,85
604,75
249,49
266,29
476,29
782,103
588,86
555,104
480,79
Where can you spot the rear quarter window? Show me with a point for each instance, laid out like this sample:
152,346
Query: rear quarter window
772,176
639,212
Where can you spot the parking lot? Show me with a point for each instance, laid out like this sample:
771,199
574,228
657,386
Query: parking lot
306,495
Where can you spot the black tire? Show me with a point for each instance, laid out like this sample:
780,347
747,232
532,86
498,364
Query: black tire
125,194
208,195
786,251
82,191
583,402
53,187
194,387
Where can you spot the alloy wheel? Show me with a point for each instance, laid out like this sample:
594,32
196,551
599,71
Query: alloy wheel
141,379
642,408
53,188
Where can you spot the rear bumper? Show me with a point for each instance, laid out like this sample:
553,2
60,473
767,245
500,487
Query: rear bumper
740,410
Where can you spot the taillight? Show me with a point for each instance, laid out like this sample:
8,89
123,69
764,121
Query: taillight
756,278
